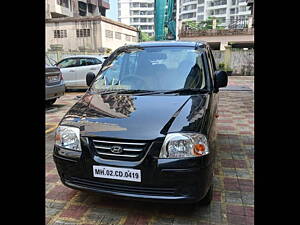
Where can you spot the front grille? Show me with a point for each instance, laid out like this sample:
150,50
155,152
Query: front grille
131,150
124,188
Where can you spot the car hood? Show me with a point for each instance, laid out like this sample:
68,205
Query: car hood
134,116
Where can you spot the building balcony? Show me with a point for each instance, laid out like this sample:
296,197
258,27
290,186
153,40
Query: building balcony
230,27
211,32
104,4
59,11
188,11
216,7
189,3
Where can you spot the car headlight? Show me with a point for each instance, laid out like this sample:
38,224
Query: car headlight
68,137
180,145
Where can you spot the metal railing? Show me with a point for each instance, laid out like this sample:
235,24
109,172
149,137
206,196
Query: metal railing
220,24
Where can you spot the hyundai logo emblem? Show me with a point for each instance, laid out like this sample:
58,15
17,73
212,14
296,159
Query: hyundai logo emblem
116,149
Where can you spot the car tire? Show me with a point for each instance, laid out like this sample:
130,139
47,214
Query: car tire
50,102
208,197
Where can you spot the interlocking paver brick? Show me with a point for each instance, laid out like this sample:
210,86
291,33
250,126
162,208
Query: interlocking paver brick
231,184
60,192
235,210
249,211
236,219
233,197
74,211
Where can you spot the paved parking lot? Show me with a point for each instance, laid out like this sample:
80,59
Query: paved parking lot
233,201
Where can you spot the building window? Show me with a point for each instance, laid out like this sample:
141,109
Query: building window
60,33
189,7
83,32
188,15
200,18
64,3
201,9
143,20
220,11
150,12
232,11
91,8
243,9
118,35
200,1
134,39
135,4
134,12
127,37
108,34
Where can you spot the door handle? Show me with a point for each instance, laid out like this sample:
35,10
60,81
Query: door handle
93,68
72,71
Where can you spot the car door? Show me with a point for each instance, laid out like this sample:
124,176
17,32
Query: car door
68,69
86,65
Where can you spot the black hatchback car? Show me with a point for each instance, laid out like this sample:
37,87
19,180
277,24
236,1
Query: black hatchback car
145,128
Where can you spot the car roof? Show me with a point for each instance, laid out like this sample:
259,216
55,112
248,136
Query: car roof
85,56
170,43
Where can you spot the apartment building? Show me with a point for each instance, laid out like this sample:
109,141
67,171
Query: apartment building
224,10
137,13
75,8
95,34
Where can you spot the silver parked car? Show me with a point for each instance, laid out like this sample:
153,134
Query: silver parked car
75,68
55,86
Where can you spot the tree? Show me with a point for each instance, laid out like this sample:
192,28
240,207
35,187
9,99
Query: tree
146,37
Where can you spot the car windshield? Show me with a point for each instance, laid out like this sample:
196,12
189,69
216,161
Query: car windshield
153,69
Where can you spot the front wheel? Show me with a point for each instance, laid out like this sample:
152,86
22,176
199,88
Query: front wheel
50,102
208,197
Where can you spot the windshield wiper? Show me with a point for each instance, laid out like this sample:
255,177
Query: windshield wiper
122,91
187,90
133,91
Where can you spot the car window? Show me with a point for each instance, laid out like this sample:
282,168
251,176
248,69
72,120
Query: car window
97,61
71,62
157,68
112,75
83,62
89,61
211,57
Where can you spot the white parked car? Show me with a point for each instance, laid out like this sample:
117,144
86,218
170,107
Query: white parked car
74,69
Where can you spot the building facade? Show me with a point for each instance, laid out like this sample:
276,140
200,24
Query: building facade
137,13
224,10
95,34
75,8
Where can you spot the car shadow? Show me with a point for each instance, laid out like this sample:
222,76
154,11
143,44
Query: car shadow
143,207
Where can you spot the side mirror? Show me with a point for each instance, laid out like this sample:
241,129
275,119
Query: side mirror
89,78
221,79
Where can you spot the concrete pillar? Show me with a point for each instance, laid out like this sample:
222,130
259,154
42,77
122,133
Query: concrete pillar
178,25
222,45
250,19
227,56
214,25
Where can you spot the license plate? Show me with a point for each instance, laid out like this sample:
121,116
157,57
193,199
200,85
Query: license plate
117,173
53,78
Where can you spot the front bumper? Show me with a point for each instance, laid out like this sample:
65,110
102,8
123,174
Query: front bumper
165,180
